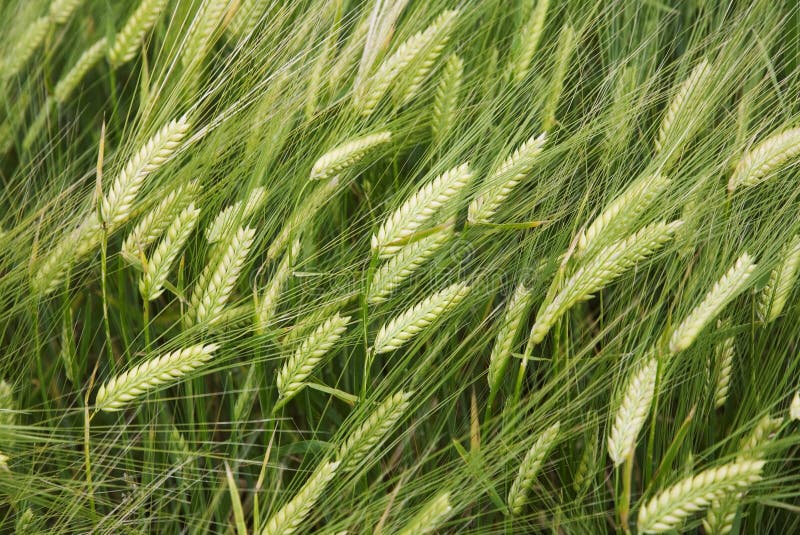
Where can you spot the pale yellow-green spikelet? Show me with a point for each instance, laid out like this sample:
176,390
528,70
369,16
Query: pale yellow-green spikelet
724,353
361,444
621,214
499,184
61,10
231,216
120,391
207,20
430,517
670,507
567,40
445,100
605,267
633,410
247,16
679,122
18,57
289,518
151,284
722,293
526,41
8,404
291,379
269,298
773,297
408,324
419,209
128,40
514,314
90,57
346,155
529,468
794,407
765,159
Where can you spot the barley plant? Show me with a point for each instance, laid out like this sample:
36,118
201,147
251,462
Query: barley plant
395,267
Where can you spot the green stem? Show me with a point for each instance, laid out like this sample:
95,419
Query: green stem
625,503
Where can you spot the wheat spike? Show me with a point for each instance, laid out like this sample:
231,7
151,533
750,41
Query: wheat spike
208,18
409,51
61,10
117,205
155,222
216,282
445,100
430,517
247,16
682,106
502,180
418,209
767,157
24,49
773,297
291,378
361,444
67,84
129,38
231,216
268,300
529,468
514,314
115,394
567,40
526,41
668,509
586,470
404,327
8,405
728,287
609,263
794,407
623,212
632,411
151,285
724,353
401,266
288,519
346,155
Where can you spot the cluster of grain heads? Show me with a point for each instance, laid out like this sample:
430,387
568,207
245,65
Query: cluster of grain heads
419,209
347,155
24,48
215,284
774,295
526,41
724,353
609,263
679,121
529,468
514,314
90,57
269,298
61,10
633,410
231,216
419,48
767,157
292,376
567,40
128,40
722,293
119,391
289,518
430,517
498,185
445,99
408,324
362,443
623,213
158,266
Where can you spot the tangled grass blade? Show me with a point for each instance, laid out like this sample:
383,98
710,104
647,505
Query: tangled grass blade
765,159
632,411
529,468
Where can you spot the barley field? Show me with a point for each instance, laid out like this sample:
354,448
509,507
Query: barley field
399,267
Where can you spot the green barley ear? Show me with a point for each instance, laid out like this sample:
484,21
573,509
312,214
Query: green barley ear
678,122
61,10
247,16
417,46
623,212
402,265
215,284
445,100
24,49
526,41
268,300
155,223
151,285
288,519
724,353
418,209
430,517
632,411
609,263
668,509
722,293
567,40
773,297
794,407
90,57
8,405
116,206
119,391
404,327
767,157
347,155
291,379
498,185
529,468
513,317
232,215
205,23
361,444
128,40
